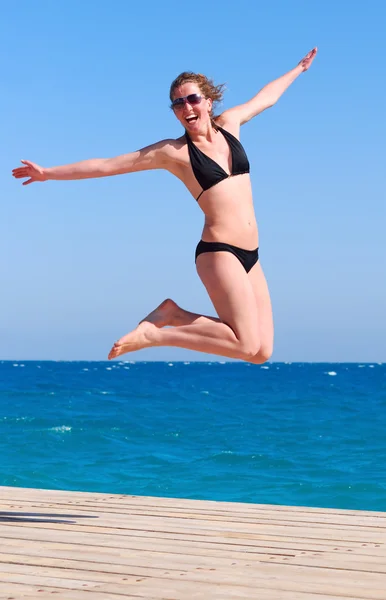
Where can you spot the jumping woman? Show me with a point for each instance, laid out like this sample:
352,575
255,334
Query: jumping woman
210,160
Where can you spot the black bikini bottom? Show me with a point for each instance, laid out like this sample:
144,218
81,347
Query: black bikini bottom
248,258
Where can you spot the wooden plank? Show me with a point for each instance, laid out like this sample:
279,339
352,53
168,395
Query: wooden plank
114,545
20,590
126,541
74,497
259,516
207,571
32,591
252,548
186,584
263,516
254,551
207,527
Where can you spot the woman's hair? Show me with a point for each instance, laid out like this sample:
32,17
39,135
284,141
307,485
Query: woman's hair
207,87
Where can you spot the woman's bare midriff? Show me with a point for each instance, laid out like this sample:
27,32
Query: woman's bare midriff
229,213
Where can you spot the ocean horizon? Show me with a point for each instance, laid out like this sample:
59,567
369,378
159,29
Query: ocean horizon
301,434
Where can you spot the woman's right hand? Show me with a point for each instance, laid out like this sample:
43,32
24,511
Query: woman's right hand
31,170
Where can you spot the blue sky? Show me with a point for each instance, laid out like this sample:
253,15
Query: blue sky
82,262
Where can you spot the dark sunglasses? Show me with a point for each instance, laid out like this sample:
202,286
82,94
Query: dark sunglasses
191,99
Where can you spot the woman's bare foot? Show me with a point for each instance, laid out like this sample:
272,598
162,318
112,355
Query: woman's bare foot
165,314
143,336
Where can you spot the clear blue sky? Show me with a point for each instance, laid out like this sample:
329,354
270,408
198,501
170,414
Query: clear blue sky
82,262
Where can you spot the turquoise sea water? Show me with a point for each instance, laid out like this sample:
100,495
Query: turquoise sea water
294,434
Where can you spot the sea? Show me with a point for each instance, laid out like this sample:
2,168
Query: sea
300,434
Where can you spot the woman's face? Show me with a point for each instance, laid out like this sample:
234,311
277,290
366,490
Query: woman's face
192,116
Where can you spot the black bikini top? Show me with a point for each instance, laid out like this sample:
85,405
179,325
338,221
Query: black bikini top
207,171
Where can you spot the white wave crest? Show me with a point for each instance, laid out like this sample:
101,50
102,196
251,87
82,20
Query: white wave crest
61,429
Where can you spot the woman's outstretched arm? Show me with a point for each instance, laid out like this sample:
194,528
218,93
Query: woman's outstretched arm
270,93
155,156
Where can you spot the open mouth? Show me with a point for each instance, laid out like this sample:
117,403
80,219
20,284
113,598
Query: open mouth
191,119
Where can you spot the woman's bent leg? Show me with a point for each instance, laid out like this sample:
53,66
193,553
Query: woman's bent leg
234,335
264,309
168,313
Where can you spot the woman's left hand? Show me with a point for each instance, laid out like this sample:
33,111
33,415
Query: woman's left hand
306,62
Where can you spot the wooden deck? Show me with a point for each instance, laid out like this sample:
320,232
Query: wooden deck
89,546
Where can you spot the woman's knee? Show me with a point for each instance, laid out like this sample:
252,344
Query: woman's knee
263,354
249,347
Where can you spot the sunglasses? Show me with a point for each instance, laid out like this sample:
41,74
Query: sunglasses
191,99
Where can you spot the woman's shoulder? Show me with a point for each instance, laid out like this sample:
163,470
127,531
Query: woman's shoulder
172,154
167,149
172,145
228,120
